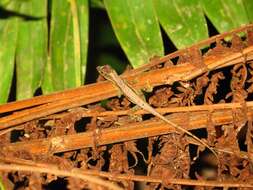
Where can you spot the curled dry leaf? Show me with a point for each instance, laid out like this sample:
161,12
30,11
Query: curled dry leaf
161,97
212,88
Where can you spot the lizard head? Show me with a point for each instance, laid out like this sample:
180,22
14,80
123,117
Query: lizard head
105,70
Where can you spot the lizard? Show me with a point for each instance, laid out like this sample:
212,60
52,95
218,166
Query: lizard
111,75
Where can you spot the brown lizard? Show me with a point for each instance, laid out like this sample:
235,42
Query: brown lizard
108,73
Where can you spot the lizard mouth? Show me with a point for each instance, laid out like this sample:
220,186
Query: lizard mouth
104,69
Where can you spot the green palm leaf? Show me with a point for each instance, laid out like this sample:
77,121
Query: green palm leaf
136,27
8,39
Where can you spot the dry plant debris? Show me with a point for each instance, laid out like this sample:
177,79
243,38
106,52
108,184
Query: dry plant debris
70,140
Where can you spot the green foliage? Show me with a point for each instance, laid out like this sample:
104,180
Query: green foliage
226,14
49,46
1,184
136,28
68,45
31,52
183,21
8,39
